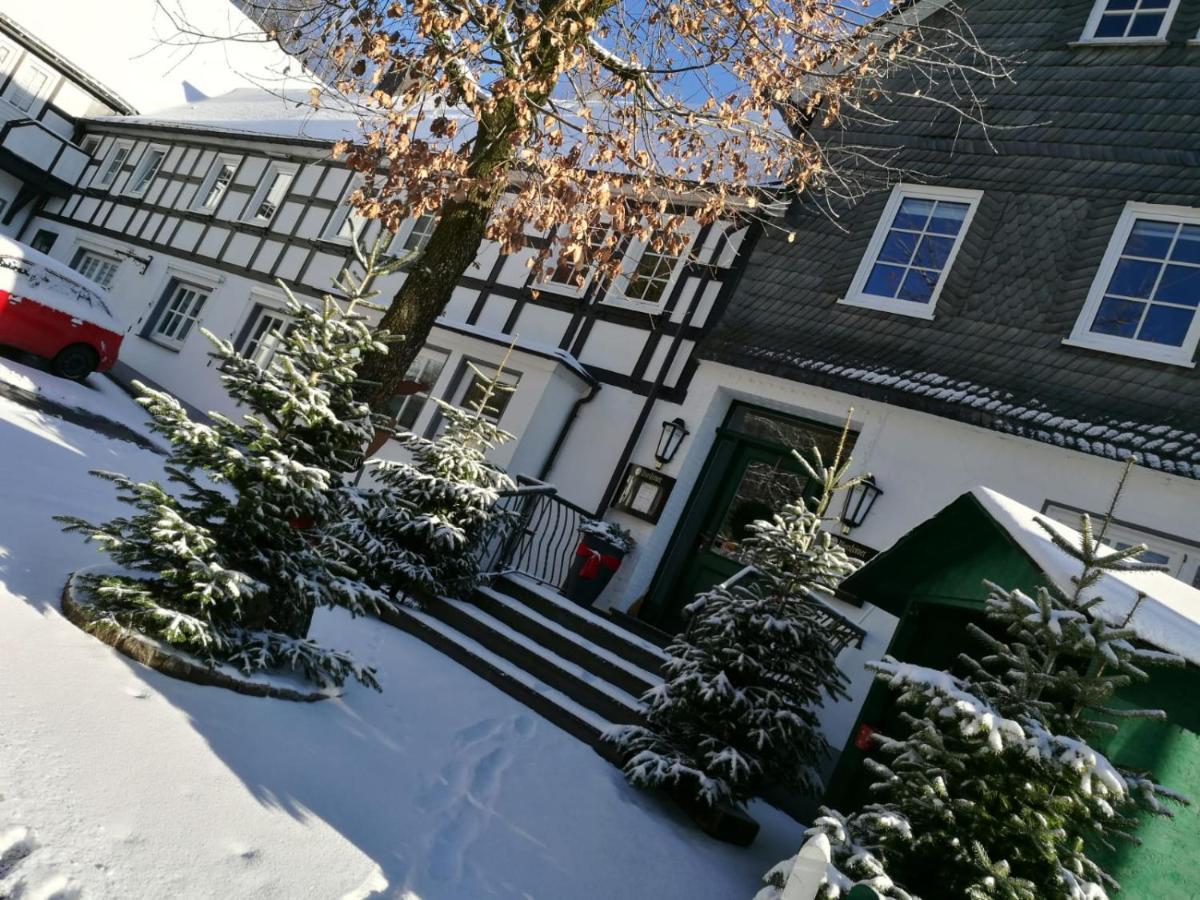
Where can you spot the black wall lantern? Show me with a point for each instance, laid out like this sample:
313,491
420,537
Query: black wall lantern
673,433
859,500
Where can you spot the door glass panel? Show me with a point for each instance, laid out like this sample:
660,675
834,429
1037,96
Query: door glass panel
764,489
788,432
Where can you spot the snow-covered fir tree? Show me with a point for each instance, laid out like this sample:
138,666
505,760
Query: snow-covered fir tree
415,534
738,709
993,791
228,565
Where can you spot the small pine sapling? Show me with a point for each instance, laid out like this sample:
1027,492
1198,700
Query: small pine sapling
993,790
229,567
738,710
416,534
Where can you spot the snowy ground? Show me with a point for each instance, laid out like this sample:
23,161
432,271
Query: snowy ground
117,782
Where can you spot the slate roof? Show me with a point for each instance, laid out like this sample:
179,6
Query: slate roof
1101,126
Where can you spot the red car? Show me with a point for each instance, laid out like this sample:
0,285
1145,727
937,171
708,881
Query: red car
50,310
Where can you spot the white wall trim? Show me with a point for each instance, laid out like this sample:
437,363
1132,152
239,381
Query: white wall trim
856,296
1098,10
1082,336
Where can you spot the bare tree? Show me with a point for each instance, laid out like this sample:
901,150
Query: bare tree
574,126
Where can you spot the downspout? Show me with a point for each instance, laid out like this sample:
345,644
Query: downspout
548,464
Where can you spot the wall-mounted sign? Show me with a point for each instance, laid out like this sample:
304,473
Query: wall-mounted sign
644,492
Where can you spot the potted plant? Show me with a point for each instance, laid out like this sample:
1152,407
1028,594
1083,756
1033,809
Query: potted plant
602,546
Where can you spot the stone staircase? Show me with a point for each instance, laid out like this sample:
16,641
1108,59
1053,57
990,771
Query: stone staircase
574,666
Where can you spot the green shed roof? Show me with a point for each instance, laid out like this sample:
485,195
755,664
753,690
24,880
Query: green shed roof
985,535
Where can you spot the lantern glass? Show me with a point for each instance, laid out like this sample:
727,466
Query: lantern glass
673,433
859,500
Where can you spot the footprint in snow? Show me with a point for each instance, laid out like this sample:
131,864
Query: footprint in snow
15,844
464,795
137,691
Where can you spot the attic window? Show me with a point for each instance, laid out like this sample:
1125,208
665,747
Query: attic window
912,250
146,170
1129,20
269,194
216,182
1145,296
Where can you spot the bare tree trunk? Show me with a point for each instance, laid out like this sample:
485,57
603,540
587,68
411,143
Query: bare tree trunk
426,291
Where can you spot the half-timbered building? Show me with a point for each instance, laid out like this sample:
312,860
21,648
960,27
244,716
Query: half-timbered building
1018,312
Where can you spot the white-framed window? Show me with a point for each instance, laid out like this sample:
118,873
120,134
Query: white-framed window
910,254
91,144
8,54
1124,21
414,234
111,167
345,221
649,271
571,274
425,370
29,86
146,169
270,192
1181,558
216,182
98,267
264,334
179,313
1143,301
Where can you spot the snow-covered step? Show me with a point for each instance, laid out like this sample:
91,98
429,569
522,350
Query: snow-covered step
609,700
595,627
572,717
566,643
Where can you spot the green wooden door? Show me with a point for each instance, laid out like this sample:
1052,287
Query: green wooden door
756,485
750,474
753,484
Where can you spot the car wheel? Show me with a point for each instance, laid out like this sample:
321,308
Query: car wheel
76,362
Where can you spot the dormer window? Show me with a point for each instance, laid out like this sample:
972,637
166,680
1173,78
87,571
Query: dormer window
912,250
1144,299
1121,21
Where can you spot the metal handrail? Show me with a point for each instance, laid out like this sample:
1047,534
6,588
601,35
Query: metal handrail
536,535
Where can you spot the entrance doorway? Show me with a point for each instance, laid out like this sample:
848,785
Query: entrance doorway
750,474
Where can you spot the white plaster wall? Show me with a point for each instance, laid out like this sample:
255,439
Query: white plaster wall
613,347
922,463
593,446
537,438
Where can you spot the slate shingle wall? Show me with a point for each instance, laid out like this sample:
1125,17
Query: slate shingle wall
1115,124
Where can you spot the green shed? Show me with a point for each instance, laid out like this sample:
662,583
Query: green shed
932,579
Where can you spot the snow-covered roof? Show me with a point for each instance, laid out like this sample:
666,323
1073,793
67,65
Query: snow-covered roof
288,113
1168,617
253,111
158,53
537,348
25,272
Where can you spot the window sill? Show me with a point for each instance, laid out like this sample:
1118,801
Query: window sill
1119,42
158,342
568,291
909,309
1134,352
653,309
